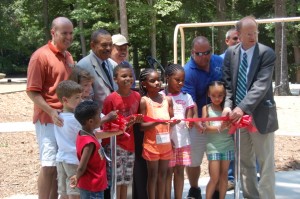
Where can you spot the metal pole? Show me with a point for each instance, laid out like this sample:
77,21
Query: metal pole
113,154
209,24
237,146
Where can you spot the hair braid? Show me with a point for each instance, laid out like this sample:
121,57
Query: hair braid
170,70
143,77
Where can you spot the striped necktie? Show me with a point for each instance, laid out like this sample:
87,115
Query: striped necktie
241,82
104,66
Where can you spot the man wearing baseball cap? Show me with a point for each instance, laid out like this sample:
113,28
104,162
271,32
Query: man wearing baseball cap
119,52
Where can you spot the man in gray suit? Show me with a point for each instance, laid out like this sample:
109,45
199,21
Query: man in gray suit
247,72
100,65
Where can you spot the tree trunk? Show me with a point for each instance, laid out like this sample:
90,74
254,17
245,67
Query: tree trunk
82,39
136,61
153,28
46,20
281,65
123,18
115,14
221,16
295,41
164,51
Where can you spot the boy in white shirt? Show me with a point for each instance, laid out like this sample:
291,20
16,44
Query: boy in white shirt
69,94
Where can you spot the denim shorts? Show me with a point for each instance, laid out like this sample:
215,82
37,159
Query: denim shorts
47,143
85,194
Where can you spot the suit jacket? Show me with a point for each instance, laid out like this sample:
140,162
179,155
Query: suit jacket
259,100
101,85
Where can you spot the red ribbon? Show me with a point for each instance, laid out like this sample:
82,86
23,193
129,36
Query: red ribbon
245,122
121,122
118,124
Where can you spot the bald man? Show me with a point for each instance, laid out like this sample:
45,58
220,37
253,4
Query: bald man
48,66
202,68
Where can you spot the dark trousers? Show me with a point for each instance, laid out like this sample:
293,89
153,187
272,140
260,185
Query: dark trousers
140,173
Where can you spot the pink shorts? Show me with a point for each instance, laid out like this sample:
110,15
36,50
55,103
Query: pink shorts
181,156
147,155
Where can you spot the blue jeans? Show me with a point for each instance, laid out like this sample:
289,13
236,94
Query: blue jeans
231,170
84,194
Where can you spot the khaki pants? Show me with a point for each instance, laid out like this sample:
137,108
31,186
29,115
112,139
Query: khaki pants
261,147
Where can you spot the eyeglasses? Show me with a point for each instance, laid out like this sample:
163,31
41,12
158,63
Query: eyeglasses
251,34
202,53
235,38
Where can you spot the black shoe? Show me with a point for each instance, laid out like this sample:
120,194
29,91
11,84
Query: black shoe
195,193
216,195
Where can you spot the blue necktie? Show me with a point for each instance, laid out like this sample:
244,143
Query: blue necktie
104,66
241,82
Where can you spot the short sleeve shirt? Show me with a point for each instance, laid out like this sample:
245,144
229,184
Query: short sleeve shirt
126,106
47,68
180,132
66,139
197,80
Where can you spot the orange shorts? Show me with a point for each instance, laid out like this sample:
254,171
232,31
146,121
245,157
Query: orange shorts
147,155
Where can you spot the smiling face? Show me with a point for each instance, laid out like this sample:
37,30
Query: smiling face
119,53
62,35
102,46
175,81
124,78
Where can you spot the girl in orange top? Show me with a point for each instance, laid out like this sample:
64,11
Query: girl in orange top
157,148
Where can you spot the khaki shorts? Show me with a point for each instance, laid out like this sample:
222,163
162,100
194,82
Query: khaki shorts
64,172
198,147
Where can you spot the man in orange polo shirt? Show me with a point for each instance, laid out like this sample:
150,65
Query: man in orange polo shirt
48,66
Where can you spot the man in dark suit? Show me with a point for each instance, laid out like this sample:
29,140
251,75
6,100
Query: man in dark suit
99,65
250,92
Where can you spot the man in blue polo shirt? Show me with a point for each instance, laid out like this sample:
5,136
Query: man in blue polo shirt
200,71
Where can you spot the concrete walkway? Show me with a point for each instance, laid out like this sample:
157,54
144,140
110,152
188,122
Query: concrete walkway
287,186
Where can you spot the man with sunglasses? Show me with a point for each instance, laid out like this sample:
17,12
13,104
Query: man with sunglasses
231,39
202,68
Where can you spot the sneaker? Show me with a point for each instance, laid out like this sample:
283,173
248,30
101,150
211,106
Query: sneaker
194,193
230,185
216,195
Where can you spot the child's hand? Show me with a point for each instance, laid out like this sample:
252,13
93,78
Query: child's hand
175,121
139,118
130,122
225,125
189,124
112,115
200,127
73,181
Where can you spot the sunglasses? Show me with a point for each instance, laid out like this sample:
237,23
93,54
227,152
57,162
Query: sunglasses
235,38
202,53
